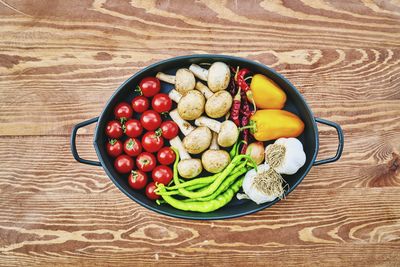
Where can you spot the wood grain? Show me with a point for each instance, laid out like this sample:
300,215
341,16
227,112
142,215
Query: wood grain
60,61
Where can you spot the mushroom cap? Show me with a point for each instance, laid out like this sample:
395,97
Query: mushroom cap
184,81
228,134
215,161
190,168
218,104
191,105
198,140
218,76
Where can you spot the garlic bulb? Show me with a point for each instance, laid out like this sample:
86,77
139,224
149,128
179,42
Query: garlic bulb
285,156
255,181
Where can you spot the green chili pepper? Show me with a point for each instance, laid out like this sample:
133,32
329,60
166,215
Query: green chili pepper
214,186
214,183
223,187
205,206
175,168
176,192
197,186
235,149
203,180
232,153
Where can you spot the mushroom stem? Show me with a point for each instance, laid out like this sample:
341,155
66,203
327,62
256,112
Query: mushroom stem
177,143
204,90
174,95
185,127
214,143
199,72
166,77
214,125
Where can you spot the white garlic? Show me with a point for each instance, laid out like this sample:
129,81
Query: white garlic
293,157
251,191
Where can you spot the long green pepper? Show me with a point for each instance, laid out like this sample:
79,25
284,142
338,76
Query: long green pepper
176,192
204,180
239,170
214,186
224,186
205,206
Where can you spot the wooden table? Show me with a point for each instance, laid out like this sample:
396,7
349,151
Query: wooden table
61,60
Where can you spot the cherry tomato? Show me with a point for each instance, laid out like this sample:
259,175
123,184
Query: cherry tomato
149,86
151,142
132,147
140,104
161,103
146,162
162,174
150,120
166,156
169,129
114,148
150,191
133,128
137,179
123,110
123,164
114,129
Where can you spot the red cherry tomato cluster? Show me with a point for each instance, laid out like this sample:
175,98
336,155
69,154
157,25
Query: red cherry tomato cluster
138,136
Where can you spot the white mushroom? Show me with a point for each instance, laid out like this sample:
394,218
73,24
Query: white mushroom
228,133
217,104
190,106
187,167
217,76
215,160
196,139
184,80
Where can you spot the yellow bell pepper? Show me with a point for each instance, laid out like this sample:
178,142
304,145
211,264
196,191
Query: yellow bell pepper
271,124
266,93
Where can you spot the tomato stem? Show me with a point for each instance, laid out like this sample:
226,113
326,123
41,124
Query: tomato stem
158,132
113,141
138,90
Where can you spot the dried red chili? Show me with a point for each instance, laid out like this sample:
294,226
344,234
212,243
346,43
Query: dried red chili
246,113
232,86
235,109
240,79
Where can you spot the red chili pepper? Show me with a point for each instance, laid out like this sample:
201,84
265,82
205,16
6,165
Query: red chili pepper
232,87
244,86
240,79
235,92
236,108
246,113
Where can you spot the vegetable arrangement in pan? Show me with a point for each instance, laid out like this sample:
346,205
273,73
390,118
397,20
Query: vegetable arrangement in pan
207,140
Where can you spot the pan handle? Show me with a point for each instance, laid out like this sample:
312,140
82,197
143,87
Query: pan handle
341,142
73,142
